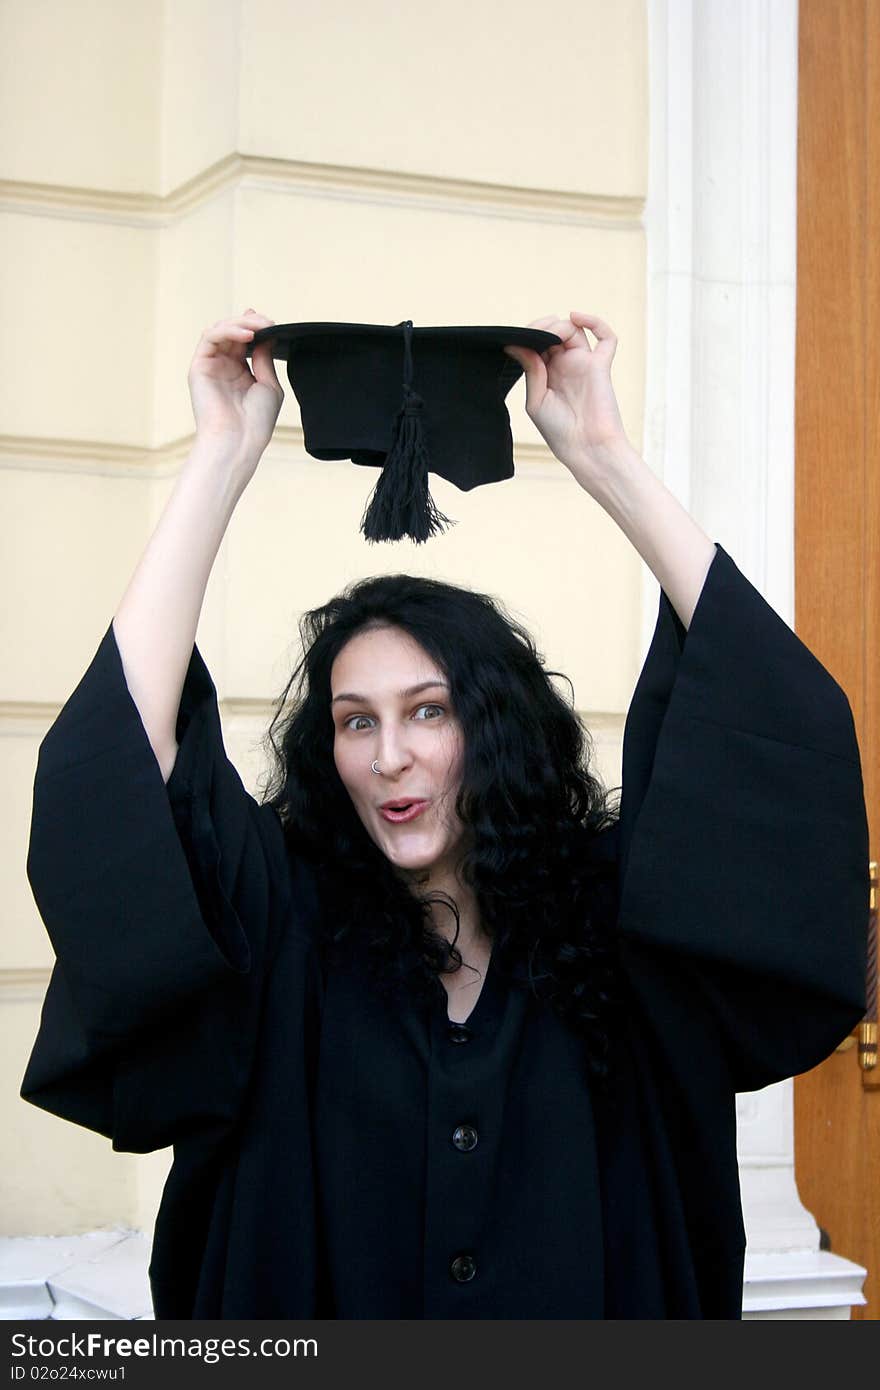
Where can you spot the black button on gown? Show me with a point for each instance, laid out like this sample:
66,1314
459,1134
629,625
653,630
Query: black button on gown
316,1171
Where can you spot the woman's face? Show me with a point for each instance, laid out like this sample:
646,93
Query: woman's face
390,703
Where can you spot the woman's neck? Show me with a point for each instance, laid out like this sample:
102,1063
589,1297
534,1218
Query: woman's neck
471,937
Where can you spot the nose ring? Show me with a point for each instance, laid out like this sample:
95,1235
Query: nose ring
375,765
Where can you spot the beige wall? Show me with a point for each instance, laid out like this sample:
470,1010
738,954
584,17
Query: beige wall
178,161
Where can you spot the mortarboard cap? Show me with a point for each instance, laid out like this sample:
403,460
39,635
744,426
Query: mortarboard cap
409,401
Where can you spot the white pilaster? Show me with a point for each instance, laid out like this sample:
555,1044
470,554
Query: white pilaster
719,430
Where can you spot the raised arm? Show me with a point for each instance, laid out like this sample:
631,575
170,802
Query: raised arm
676,550
155,624
570,398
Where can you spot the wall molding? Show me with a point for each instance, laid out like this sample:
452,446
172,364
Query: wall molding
385,187
26,718
806,1285
23,984
104,458
97,1275
96,457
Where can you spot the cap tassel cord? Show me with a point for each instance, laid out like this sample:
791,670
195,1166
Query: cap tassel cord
401,503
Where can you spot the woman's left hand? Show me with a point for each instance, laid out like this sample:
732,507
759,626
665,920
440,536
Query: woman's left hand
569,395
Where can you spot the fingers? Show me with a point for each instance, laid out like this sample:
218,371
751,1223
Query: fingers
523,355
571,330
563,328
263,357
229,338
535,369
602,331
257,320
235,330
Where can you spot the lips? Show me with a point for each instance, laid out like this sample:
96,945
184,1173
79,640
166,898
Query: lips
399,811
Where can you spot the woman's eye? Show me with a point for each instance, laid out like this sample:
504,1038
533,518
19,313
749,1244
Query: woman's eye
354,721
359,723
439,709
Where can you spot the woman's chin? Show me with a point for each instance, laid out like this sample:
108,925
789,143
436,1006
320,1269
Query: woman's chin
411,860
412,855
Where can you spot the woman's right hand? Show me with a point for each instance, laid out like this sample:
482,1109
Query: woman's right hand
235,404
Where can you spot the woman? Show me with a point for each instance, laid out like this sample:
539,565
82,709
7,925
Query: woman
475,1058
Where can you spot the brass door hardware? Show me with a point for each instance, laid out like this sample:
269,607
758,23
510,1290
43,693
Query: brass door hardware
863,1037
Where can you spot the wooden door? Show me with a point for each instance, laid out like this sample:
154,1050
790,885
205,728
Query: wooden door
837,530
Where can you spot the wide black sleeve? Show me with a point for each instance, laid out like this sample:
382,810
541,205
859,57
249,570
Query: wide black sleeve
163,905
743,837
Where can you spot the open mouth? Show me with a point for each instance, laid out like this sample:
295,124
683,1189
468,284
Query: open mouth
404,810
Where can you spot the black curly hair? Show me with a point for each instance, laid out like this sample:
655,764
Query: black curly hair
527,795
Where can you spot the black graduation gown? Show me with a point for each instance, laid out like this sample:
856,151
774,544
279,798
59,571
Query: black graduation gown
337,1158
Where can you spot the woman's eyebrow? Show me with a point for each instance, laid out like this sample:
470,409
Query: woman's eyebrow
403,694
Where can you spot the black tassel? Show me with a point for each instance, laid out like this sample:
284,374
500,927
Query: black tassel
401,504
